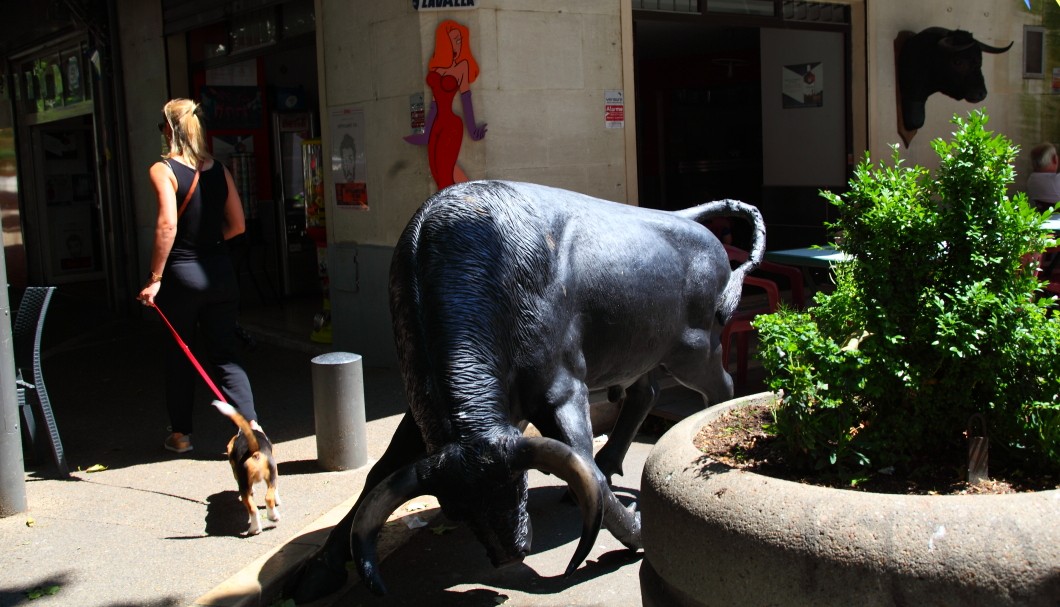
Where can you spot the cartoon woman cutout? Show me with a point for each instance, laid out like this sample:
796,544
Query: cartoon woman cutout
451,69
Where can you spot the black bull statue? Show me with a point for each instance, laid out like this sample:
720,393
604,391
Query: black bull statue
938,60
510,302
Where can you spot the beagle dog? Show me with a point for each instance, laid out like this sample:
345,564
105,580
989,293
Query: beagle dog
250,454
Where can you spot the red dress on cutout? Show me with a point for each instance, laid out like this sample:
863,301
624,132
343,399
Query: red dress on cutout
447,132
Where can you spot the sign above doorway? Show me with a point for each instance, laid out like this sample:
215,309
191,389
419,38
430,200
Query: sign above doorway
438,5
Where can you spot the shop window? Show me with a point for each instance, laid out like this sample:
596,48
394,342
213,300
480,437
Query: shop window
816,12
52,81
253,30
297,18
764,8
676,6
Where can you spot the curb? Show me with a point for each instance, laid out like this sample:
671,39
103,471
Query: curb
259,584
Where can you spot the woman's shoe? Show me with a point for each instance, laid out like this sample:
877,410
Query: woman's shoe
178,443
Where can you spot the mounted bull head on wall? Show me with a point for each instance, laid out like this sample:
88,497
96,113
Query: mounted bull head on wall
937,60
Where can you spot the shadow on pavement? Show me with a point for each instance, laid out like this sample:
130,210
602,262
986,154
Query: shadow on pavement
443,564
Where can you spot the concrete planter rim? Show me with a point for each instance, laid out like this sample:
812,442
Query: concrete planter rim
781,535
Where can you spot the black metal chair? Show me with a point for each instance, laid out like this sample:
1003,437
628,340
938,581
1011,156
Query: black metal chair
32,393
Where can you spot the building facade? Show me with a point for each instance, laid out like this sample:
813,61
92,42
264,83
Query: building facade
660,103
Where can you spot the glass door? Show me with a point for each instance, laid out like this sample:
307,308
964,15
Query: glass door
69,230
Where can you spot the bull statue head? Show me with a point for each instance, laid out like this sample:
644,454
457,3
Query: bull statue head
482,483
938,60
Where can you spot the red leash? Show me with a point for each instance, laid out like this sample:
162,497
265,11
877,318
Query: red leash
191,357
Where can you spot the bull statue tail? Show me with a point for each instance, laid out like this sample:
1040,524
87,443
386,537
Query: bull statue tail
730,296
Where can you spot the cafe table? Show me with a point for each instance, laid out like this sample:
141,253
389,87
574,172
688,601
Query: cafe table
809,257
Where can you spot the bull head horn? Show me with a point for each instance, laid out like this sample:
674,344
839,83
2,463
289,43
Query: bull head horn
993,49
554,457
372,514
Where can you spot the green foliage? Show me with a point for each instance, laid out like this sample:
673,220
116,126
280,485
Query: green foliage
937,316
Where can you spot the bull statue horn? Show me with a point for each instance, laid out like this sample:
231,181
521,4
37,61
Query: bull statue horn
554,457
372,514
986,48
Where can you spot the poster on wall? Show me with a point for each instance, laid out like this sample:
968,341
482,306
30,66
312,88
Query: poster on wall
347,158
802,85
614,110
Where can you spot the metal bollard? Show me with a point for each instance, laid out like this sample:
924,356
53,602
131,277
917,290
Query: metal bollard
338,410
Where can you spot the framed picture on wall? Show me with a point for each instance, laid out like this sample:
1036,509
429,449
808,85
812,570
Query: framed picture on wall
802,85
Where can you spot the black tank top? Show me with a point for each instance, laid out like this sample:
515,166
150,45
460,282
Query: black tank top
200,228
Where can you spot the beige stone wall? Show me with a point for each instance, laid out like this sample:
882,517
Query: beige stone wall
544,69
143,69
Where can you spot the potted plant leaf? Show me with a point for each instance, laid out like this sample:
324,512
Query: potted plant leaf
936,335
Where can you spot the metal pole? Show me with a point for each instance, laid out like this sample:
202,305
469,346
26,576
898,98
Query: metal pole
12,469
338,408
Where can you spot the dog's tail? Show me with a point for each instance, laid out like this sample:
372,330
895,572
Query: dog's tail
244,426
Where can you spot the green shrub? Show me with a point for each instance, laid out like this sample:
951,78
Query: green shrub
936,317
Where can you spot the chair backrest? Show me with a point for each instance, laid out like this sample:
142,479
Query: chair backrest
29,326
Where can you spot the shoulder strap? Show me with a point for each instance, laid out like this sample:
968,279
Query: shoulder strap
187,197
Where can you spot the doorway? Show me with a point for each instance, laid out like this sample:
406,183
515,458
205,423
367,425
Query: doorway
699,113
749,108
66,226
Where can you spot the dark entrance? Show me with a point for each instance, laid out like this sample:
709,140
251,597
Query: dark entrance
746,100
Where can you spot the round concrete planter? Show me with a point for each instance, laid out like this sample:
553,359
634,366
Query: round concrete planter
714,535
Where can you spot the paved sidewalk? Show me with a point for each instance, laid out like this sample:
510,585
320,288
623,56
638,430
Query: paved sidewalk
154,528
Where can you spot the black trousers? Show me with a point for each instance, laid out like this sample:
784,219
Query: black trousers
201,298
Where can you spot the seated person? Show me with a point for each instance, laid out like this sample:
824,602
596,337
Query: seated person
1043,185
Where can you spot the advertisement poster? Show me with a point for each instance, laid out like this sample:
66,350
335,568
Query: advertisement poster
232,107
347,158
802,85
614,110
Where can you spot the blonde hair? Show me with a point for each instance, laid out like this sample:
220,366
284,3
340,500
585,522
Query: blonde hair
188,136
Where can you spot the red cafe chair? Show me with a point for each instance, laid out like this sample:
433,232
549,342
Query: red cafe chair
739,325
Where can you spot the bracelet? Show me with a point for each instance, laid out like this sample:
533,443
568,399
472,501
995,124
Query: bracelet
156,277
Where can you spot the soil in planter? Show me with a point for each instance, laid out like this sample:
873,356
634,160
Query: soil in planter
738,439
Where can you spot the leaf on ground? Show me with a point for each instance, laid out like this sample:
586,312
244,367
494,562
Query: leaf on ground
39,592
96,468
30,522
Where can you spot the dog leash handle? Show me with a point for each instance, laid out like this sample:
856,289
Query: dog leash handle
191,357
